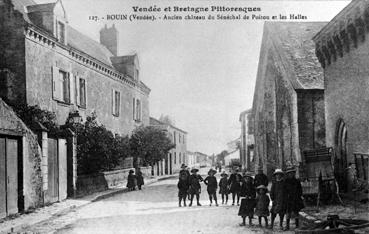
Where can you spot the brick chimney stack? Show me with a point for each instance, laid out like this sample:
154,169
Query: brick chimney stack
109,37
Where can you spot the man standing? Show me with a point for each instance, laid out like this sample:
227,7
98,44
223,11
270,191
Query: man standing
261,178
293,195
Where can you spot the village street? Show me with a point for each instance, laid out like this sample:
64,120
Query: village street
152,210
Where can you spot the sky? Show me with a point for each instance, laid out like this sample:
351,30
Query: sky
201,74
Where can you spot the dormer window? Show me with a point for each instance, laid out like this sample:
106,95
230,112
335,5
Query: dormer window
136,74
61,32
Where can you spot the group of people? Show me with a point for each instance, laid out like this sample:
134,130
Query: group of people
135,180
285,193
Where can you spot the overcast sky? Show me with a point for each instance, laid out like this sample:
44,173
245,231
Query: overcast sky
202,74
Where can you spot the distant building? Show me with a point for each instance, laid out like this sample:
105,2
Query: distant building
288,105
172,163
191,160
342,47
247,140
202,159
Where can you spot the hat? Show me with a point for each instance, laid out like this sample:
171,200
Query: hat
278,171
131,171
262,187
212,171
194,170
290,169
183,165
223,173
248,174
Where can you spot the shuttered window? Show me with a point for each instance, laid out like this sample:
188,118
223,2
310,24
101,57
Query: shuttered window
61,85
82,92
116,103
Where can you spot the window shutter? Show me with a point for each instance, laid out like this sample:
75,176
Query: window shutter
56,85
134,109
77,91
113,102
72,82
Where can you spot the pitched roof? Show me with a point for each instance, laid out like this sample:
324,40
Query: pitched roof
89,46
75,39
293,40
156,122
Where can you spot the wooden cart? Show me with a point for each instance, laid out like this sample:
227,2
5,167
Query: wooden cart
317,175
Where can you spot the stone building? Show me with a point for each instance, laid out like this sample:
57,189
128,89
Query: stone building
247,140
288,104
342,48
46,62
172,163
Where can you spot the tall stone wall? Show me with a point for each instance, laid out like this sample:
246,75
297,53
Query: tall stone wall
12,62
347,99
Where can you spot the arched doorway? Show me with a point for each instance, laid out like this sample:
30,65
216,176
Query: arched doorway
340,162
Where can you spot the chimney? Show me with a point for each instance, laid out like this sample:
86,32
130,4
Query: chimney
109,37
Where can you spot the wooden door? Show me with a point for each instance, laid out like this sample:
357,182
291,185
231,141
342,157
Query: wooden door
12,175
2,178
53,170
8,176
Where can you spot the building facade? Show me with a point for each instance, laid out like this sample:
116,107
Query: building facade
288,105
342,47
50,64
177,156
247,140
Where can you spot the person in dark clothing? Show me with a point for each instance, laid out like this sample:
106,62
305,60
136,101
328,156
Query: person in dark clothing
183,186
195,187
262,204
223,187
140,179
294,202
248,193
277,195
234,183
261,179
131,181
184,173
212,184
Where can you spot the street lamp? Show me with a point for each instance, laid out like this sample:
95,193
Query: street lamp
74,118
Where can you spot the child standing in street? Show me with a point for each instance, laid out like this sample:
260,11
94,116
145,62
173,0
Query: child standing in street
248,201
212,184
131,181
183,186
195,187
262,204
223,187
278,196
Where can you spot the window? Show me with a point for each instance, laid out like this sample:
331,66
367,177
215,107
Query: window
174,138
137,110
81,92
116,103
180,158
179,138
61,85
175,158
61,32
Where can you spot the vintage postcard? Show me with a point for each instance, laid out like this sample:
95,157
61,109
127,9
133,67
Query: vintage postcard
184,116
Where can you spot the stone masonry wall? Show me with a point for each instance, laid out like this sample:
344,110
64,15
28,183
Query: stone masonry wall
347,98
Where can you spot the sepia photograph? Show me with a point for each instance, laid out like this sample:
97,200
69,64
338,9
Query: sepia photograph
184,116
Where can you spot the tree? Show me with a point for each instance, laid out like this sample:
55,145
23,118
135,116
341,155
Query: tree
98,149
166,119
220,156
150,143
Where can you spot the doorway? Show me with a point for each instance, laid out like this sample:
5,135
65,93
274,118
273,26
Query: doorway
340,161
9,175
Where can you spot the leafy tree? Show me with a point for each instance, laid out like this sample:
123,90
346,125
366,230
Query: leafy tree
30,115
221,155
166,119
97,148
150,143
